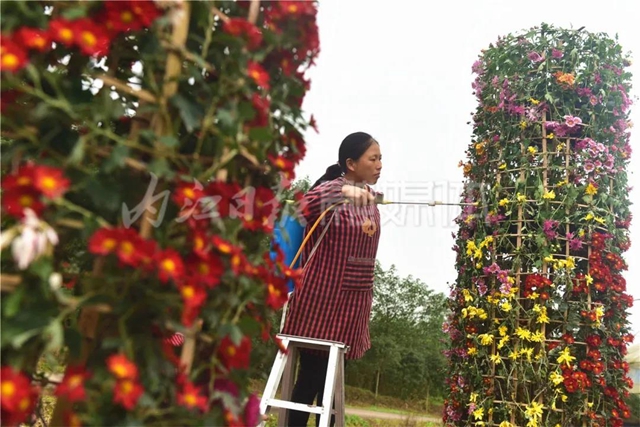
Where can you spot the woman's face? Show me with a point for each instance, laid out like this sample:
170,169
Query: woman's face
368,167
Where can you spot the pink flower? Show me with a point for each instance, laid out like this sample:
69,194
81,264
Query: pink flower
593,100
535,57
572,121
589,167
556,53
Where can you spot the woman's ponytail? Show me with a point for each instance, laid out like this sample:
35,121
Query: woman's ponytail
334,171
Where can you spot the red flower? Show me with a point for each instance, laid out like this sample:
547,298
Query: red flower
33,38
120,366
72,385
50,181
206,270
121,17
258,74
235,356
193,297
191,397
90,37
127,392
22,179
239,27
62,31
103,241
129,246
261,106
277,292
12,57
15,202
146,11
170,266
71,419
17,397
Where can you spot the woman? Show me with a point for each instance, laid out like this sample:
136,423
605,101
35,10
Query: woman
334,300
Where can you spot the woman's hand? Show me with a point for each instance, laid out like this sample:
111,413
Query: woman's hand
358,196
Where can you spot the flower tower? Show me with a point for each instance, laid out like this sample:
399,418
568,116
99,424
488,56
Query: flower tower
146,147
538,326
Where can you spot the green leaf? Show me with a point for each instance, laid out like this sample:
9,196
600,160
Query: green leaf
74,13
105,195
261,134
160,167
20,339
11,304
42,268
77,154
73,340
190,112
170,141
117,158
54,335
226,118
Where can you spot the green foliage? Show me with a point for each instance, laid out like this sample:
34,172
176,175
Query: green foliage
405,359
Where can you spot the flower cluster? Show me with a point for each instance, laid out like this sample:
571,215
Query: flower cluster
540,286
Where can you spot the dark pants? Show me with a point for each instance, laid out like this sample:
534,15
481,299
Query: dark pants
309,386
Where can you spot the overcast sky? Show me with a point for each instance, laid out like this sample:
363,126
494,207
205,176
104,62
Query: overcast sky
401,71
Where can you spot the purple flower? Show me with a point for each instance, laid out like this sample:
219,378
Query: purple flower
581,144
549,226
600,146
535,57
492,269
556,53
551,125
503,277
597,164
575,244
477,67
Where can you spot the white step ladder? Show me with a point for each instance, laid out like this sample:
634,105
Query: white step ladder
285,363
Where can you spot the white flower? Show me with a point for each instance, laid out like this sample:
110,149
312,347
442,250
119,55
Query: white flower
35,239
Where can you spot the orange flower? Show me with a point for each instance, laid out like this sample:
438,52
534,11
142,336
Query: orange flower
120,366
50,181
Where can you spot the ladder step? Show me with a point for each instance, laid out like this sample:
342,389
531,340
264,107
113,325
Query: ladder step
277,403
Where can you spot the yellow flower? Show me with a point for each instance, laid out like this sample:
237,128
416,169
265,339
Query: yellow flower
506,306
556,378
502,330
477,254
495,358
513,355
503,342
504,202
521,197
523,124
591,190
600,220
549,258
482,314
570,263
527,352
485,339
472,351
533,296
502,166
542,313
478,414
467,295
471,247
549,195
564,398
473,397
480,148
534,410
588,217
478,265
588,279
550,136
581,233
560,147
532,150
534,102
537,336
523,334
566,357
